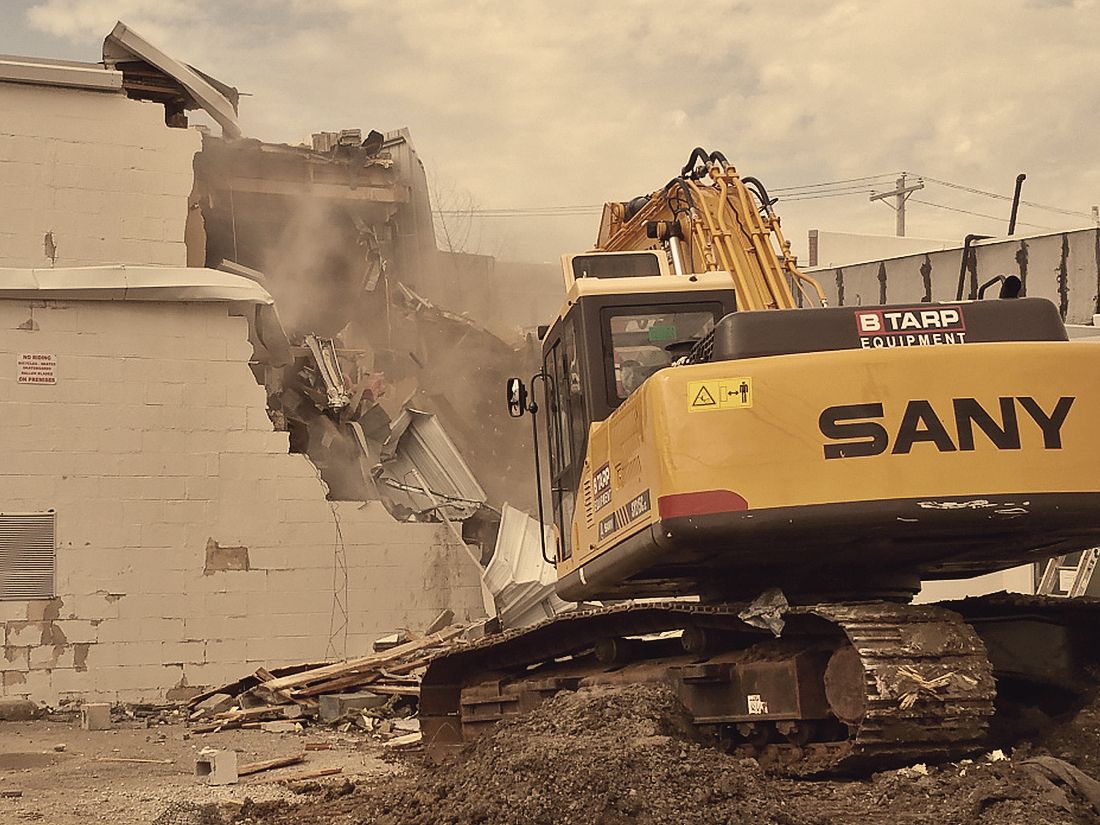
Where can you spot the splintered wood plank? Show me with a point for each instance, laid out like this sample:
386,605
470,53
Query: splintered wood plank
372,662
270,764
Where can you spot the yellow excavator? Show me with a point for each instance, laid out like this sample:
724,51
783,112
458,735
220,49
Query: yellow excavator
754,485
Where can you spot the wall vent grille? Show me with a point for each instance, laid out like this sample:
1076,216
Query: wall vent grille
28,555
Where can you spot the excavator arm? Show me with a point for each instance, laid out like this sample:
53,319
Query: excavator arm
708,219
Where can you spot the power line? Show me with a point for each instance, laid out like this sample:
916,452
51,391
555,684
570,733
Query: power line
815,197
1000,218
999,196
837,190
832,189
531,212
865,178
841,187
804,191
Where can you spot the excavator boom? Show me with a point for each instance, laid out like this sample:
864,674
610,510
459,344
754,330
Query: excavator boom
711,219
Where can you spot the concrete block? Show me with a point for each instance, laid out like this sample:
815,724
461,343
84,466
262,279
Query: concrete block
206,395
95,716
78,631
216,767
317,511
39,685
201,489
212,674
297,649
163,535
252,441
73,682
333,707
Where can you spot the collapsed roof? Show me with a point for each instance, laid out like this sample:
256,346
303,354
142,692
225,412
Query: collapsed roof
150,74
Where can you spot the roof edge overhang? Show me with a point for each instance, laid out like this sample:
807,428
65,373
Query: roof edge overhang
124,45
131,283
61,73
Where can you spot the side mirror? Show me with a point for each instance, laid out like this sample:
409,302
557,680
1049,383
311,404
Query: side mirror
517,398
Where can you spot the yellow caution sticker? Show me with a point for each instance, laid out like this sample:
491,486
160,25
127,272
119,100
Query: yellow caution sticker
720,394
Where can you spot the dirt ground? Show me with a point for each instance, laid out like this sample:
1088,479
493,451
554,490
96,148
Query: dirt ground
621,756
596,757
80,785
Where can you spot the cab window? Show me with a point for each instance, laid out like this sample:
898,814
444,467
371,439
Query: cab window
567,426
645,340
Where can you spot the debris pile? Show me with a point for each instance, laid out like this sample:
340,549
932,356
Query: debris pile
377,693
625,755
1075,738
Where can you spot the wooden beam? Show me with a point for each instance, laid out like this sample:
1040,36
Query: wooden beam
365,663
270,764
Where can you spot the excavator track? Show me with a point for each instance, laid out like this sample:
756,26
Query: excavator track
843,687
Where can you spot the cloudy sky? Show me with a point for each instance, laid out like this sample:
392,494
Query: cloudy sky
523,105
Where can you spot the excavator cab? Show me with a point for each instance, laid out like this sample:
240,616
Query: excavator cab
625,318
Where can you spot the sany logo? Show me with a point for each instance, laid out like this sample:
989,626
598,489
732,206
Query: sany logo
880,322
854,430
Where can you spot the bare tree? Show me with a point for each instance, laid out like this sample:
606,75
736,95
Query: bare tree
458,228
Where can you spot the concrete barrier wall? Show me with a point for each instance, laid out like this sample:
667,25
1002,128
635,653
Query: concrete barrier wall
1063,267
191,547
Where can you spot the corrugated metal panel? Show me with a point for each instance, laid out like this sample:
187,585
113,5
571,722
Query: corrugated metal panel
28,552
521,582
420,454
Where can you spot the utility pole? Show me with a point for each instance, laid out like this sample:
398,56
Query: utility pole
1096,215
900,195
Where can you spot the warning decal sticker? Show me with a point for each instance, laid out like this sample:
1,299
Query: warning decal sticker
720,394
631,511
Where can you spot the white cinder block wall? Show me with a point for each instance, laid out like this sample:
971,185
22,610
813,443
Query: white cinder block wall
153,446
100,172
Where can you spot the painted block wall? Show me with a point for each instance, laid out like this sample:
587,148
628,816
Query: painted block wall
1063,267
100,172
191,546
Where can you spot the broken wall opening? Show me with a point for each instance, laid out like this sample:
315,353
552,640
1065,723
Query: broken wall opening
340,234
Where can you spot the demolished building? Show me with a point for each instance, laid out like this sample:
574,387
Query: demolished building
269,448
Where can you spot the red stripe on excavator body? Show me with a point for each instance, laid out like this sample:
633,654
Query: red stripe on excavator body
702,503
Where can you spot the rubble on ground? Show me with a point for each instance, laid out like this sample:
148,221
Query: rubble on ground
377,694
626,755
